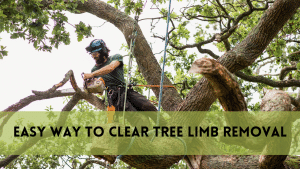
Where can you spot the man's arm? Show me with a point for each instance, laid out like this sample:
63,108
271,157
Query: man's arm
103,71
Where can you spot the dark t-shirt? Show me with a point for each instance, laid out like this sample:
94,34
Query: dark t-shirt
116,77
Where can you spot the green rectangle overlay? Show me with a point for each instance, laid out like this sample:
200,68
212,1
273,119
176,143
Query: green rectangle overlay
185,133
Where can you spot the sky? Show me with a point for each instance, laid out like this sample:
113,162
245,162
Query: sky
26,69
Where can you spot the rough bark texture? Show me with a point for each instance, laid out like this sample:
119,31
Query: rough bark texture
31,142
145,59
276,100
201,96
50,93
245,53
225,88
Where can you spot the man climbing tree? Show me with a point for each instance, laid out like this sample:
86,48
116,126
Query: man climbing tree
250,33
110,69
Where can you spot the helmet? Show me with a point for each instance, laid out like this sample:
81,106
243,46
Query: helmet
97,45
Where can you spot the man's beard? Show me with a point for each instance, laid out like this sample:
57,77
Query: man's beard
100,60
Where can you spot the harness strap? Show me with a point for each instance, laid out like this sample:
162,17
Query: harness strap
109,94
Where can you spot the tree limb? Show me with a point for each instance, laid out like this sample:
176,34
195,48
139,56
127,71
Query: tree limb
29,143
208,51
261,79
224,86
51,93
285,71
147,63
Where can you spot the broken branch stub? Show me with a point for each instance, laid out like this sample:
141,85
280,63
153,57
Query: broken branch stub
223,83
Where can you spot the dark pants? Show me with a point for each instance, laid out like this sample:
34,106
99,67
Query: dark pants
135,102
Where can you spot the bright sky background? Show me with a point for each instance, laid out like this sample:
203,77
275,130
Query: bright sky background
26,69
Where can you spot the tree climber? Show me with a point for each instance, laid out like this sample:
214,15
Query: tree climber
110,69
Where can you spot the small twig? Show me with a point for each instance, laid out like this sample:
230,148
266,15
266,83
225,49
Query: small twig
268,74
258,69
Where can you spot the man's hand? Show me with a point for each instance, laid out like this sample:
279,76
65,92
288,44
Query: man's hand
88,76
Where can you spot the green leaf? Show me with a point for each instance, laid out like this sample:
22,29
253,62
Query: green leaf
35,44
79,37
14,36
298,66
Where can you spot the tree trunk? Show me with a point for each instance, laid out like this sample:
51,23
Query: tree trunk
201,95
145,59
277,100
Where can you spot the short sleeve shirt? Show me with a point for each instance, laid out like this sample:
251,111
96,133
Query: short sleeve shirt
116,77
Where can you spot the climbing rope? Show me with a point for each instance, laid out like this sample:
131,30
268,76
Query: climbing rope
163,66
161,83
131,49
132,43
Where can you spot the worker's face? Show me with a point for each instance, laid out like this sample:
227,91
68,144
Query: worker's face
95,55
98,58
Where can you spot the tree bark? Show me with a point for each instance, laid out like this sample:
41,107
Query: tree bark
224,86
145,59
201,95
61,120
276,100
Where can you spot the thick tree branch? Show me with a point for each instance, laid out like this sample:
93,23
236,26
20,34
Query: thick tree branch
227,44
224,86
146,61
244,54
201,96
31,142
261,79
51,90
285,71
29,99
51,93
276,101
